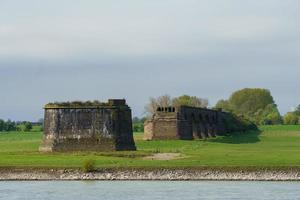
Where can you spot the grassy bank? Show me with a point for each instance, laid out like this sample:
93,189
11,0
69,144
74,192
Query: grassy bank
272,147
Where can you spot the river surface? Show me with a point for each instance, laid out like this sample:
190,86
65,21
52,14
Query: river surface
144,190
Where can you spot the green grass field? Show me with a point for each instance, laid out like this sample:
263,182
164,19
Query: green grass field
272,147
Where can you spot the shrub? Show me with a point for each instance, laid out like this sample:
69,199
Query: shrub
27,126
291,118
138,127
88,166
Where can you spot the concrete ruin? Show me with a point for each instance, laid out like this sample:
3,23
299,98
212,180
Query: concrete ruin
185,123
88,126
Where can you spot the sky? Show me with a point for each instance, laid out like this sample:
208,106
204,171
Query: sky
64,50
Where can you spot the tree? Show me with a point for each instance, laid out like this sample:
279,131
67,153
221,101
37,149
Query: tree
167,101
154,103
2,125
10,125
27,126
224,105
269,115
250,100
7,125
291,118
297,111
186,100
24,126
255,104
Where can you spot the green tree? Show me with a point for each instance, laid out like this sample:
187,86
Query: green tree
291,118
255,104
250,100
27,126
270,115
224,105
10,125
186,100
297,111
2,125
24,126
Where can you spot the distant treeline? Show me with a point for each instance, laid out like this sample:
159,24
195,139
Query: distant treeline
138,124
8,125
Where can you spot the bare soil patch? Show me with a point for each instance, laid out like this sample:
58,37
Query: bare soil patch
164,156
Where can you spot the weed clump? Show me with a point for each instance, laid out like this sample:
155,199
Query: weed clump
88,166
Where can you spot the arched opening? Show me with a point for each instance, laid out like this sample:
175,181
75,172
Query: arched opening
193,117
207,119
194,126
200,118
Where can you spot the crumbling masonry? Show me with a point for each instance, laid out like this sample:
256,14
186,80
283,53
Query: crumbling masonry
185,122
88,127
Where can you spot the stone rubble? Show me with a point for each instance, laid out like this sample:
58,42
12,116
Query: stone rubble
163,174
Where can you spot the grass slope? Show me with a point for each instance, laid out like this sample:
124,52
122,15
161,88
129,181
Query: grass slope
273,147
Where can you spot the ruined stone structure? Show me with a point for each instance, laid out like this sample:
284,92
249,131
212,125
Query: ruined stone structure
185,123
88,127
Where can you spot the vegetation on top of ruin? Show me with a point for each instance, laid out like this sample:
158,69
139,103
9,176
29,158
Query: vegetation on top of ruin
168,101
95,103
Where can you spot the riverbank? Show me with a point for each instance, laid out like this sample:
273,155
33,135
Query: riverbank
157,174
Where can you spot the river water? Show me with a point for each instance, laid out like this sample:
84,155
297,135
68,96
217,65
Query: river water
144,190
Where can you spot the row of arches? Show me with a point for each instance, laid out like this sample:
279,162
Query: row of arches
204,130
203,123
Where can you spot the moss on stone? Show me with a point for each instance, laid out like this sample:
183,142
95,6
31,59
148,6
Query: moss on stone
83,104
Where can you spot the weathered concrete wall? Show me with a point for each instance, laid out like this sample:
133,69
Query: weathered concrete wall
102,128
184,123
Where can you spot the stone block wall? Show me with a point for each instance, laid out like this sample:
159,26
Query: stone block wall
184,123
104,127
164,125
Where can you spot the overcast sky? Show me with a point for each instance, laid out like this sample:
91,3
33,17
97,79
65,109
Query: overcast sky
63,50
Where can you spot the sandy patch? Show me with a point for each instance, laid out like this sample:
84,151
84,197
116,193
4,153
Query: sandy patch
164,156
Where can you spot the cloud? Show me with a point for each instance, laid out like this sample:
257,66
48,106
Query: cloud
68,50
143,29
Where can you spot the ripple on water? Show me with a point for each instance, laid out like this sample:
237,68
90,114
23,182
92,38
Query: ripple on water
148,190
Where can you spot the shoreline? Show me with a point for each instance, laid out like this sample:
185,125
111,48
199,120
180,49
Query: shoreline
148,175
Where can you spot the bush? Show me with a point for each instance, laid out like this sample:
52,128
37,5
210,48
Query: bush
88,166
24,126
291,118
138,127
27,126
